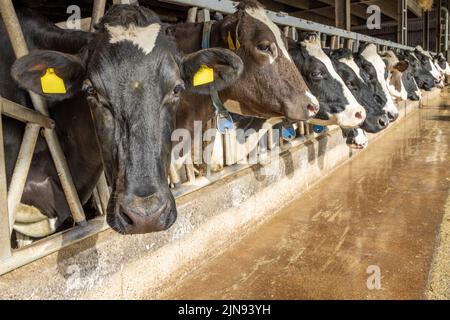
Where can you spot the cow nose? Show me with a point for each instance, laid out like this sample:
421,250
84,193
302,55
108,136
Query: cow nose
137,215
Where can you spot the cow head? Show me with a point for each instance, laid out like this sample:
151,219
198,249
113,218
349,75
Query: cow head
132,75
337,103
376,119
270,85
374,71
395,79
422,77
442,65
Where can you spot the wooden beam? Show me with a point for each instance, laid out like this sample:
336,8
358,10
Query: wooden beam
342,14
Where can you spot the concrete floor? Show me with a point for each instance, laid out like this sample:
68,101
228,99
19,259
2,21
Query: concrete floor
381,211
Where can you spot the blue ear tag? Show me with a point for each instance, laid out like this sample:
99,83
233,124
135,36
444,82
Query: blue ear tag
224,123
318,129
288,132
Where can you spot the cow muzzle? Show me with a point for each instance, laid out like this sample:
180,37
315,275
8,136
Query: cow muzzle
138,215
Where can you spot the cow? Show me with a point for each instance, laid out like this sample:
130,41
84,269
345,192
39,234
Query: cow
116,111
401,83
337,103
343,62
427,62
374,72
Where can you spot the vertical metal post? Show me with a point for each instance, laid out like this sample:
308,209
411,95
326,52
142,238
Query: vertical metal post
426,30
438,26
446,15
20,49
21,169
402,28
5,240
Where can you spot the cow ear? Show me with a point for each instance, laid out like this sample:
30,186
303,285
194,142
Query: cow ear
401,66
210,69
51,74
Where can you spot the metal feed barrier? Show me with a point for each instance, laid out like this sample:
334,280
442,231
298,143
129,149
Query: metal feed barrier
38,120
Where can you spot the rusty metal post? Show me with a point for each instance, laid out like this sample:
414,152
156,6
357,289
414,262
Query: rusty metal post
20,49
5,241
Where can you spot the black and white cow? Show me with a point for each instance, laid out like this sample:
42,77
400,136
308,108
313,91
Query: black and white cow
427,62
422,77
337,103
442,65
374,71
376,119
129,76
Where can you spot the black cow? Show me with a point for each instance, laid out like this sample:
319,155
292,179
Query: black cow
131,75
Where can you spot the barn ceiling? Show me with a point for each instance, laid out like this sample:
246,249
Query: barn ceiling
321,11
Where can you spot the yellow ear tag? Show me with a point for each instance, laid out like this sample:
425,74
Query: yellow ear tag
204,75
51,83
230,42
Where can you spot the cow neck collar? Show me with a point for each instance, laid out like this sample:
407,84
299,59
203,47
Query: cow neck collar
224,122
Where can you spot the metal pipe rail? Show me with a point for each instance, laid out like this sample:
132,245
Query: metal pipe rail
281,18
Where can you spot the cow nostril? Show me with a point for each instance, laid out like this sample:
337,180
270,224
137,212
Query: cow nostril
312,109
359,115
382,122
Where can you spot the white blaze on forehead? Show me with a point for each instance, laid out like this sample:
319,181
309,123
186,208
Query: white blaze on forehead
371,55
260,15
352,64
143,37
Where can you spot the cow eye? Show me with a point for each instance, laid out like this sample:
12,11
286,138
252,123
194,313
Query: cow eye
178,89
316,75
264,47
350,84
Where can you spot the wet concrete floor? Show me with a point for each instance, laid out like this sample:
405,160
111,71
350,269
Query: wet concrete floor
379,212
